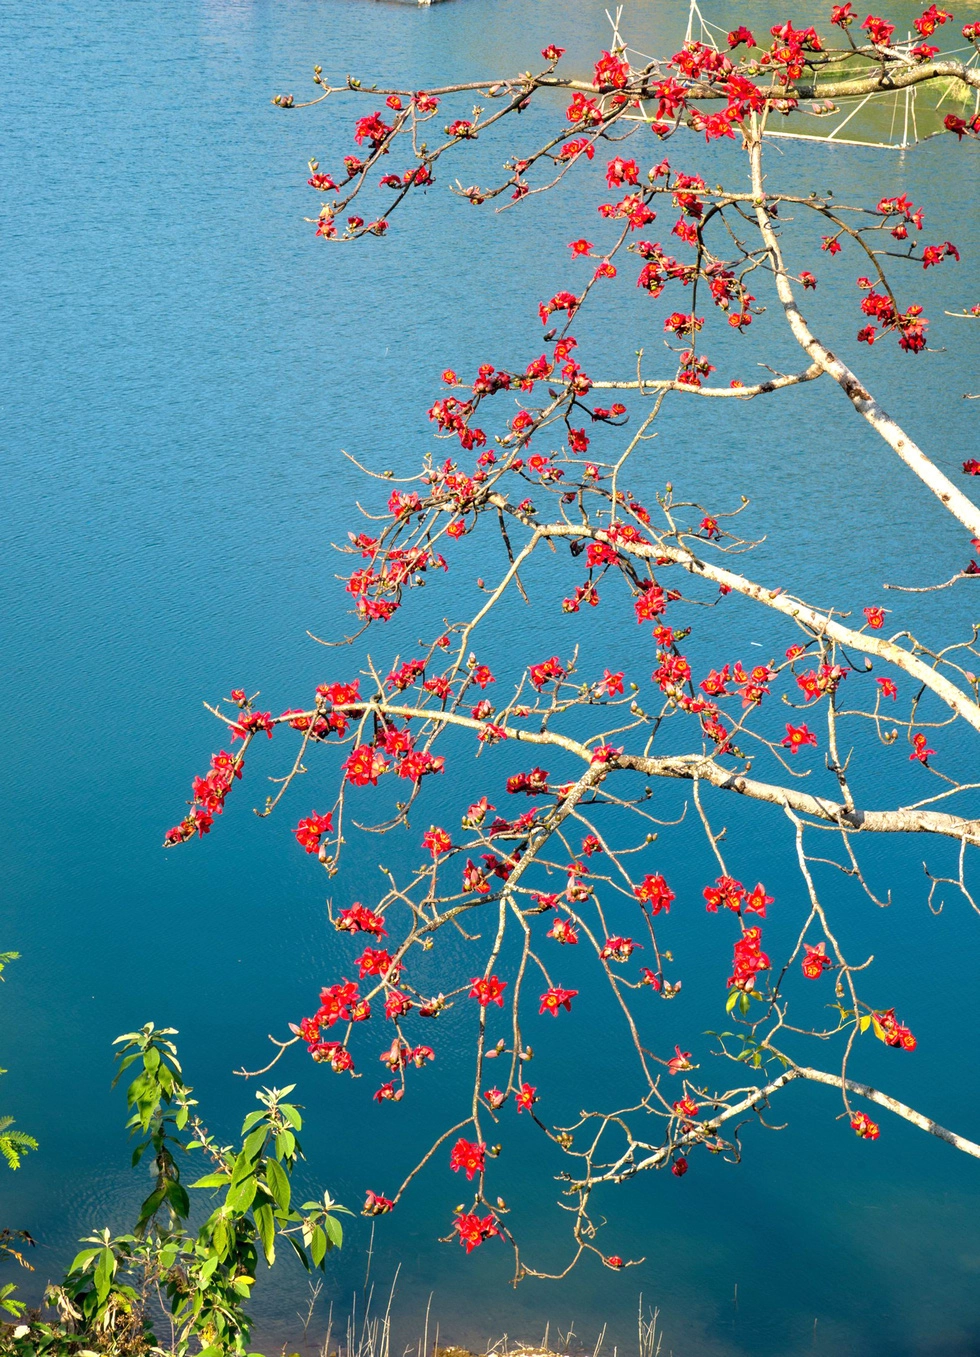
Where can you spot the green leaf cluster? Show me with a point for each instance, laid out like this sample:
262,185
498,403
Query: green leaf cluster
203,1276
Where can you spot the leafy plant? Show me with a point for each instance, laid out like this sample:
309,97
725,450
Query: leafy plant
199,1280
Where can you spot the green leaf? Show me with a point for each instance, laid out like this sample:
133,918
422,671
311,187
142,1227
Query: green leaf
732,1000
104,1272
285,1145
152,1205
241,1196
267,1231
335,1231
275,1176
291,1115
318,1246
178,1199
82,1260
212,1180
252,1147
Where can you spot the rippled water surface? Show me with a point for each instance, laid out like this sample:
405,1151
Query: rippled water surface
183,365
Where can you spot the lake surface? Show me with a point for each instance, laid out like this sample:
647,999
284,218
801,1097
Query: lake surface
182,365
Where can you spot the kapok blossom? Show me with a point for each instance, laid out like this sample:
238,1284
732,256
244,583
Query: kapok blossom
865,1128
564,931
920,752
796,737
375,1204
526,1097
655,892
364,765
436,841
679,1061
757,900
815,961
727,893
488,990
472,1231
358,919
309,831
555,998
468,1155
618,949
893,1033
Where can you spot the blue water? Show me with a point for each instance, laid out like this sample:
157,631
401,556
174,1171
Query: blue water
182,365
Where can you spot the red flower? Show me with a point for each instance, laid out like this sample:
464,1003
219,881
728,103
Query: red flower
618,949
387,1093
495,1098
756,902
250,723
468,1155
611,684
864,1126
843,15
815,962
679,1061
474,878
920,752
888,688
334,1054
611,70
436,840
797,737
727,892
749,960
371,129
687,1107
875,618
654,890
363,765
527,1096
614,1261
879,30
679,1167
376,961
309,831
740,35
357,919
889,1030
927,23
553,53
563,931
397,1004
540,674
650,603
488,991
473,1231
375,1204
555,998
620,171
